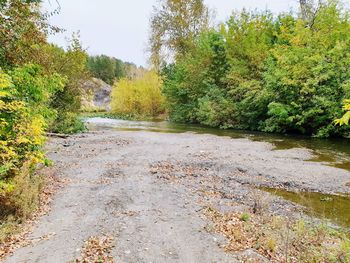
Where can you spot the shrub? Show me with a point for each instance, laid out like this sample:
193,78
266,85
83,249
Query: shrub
25,95
138,97
345,119
67,101
40,86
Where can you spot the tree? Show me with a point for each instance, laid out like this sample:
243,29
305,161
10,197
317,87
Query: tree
138,97
25,96
106,68
309,10
102,67
266,73
119,71
22,29
174,26
132,71
40,88
70,64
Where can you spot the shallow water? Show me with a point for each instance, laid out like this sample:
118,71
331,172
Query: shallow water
330,207
332,152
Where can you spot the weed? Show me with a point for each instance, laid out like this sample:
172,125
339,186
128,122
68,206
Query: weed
282,239
245,217
260,202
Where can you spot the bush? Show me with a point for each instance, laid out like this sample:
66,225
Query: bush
40,87
67,101
68,122
24,114
138,97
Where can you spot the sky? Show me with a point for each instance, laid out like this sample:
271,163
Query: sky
120,28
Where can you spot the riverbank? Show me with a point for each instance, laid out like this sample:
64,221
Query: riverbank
151,191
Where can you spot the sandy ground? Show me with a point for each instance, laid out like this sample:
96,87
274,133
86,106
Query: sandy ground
147,190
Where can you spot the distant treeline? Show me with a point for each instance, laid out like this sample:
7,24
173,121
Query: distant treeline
110,69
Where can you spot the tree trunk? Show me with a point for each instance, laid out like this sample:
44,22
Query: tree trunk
305,9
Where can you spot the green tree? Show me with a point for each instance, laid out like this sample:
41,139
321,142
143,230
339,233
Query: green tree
194,86
119,71
106,68
39,91
260,72
102,67
308,74
174,26
72,65
23,28
23,32
249,39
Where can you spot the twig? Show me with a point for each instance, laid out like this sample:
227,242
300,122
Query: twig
58,135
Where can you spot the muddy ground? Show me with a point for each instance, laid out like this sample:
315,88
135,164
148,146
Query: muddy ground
147,192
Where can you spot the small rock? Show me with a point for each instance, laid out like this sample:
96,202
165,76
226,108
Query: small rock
241,169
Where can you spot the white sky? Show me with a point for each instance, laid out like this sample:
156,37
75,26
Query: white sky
120,28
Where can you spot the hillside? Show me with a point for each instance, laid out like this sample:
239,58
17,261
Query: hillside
96,95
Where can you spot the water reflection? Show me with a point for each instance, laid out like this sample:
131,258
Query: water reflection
332,207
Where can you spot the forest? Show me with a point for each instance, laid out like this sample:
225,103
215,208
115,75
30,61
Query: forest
285,73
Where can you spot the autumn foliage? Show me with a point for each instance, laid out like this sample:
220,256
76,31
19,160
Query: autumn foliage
259,71
40,87
138,97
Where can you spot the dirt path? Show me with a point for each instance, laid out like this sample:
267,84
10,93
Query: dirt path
147,191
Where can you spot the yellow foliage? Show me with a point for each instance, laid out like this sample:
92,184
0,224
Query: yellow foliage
139,97
25,97
5,83
346,118
21,136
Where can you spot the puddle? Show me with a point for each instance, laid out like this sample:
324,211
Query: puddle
331,207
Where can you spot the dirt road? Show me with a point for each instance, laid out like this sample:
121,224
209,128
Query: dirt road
147,191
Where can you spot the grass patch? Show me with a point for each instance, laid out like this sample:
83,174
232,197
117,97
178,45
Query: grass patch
282,239
21,210
19,203
245,217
